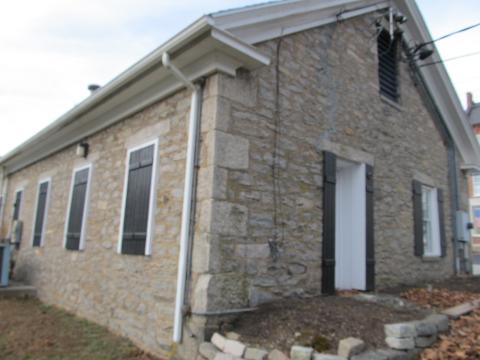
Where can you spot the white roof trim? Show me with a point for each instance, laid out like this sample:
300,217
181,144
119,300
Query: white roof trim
221,42
268,21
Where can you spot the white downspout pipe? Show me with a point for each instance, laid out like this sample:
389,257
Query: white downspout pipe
195,111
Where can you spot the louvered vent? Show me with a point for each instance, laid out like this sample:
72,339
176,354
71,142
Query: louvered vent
387,66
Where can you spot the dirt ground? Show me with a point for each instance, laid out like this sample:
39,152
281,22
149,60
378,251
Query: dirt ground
318,321
324,321
31,330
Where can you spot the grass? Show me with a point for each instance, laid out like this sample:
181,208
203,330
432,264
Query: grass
31,330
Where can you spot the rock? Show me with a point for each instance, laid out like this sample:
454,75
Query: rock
440,321
255,354
424,328
223,356
370,355
319,356
301,353
401,330
425,341
350,346
234,347
394,354
232,335
277,355
400,343
208,350
219,341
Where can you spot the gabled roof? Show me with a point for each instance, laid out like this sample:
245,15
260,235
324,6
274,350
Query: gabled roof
223,42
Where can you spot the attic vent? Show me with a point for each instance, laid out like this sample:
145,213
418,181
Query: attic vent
387,65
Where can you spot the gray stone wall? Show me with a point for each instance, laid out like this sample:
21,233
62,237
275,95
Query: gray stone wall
321,91
132,295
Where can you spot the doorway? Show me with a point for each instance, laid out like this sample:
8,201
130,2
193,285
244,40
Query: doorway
350,226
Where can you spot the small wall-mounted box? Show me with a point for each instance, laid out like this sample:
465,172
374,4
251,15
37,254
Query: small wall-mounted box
463,226
4,263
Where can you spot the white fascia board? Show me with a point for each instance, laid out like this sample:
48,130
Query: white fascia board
441,88
208,51
258,24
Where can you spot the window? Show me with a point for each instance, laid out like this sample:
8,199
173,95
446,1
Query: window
476,219
136,223
17,204
41,213
476,185
387,65
77,209
431,231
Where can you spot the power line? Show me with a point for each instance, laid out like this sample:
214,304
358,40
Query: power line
450,59
451,34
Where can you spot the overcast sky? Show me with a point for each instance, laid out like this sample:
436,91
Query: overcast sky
52,49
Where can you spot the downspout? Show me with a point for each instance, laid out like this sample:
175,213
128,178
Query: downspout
188,194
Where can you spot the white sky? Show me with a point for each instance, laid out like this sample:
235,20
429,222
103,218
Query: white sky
52,49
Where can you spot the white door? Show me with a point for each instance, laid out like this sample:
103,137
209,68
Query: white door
350,226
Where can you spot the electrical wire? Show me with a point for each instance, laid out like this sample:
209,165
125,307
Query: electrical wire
450,59
450,34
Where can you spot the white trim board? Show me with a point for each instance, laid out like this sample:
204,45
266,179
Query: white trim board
35,210
85,208
151,205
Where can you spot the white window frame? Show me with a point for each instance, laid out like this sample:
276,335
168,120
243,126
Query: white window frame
432,246
476,192
85,208
45,215
151,209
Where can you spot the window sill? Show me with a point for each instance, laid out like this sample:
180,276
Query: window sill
392,103
431,258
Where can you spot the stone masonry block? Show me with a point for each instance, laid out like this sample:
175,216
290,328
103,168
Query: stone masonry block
440,321
208,350
231,151
277,355
425,328
255,354
301,353
318,356
401,330
219,341
223,356
230,219
234,347
425,341
350,346
400,343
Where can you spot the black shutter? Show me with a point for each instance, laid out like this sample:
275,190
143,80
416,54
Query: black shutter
77,207
40,216
387,65
135,222
328,241
417,218
16,205
441,222
370,238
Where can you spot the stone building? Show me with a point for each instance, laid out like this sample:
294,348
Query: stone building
285,149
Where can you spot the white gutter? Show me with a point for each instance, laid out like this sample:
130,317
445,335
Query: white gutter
195,112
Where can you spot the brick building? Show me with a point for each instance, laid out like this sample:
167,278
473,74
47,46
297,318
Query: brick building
285,149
